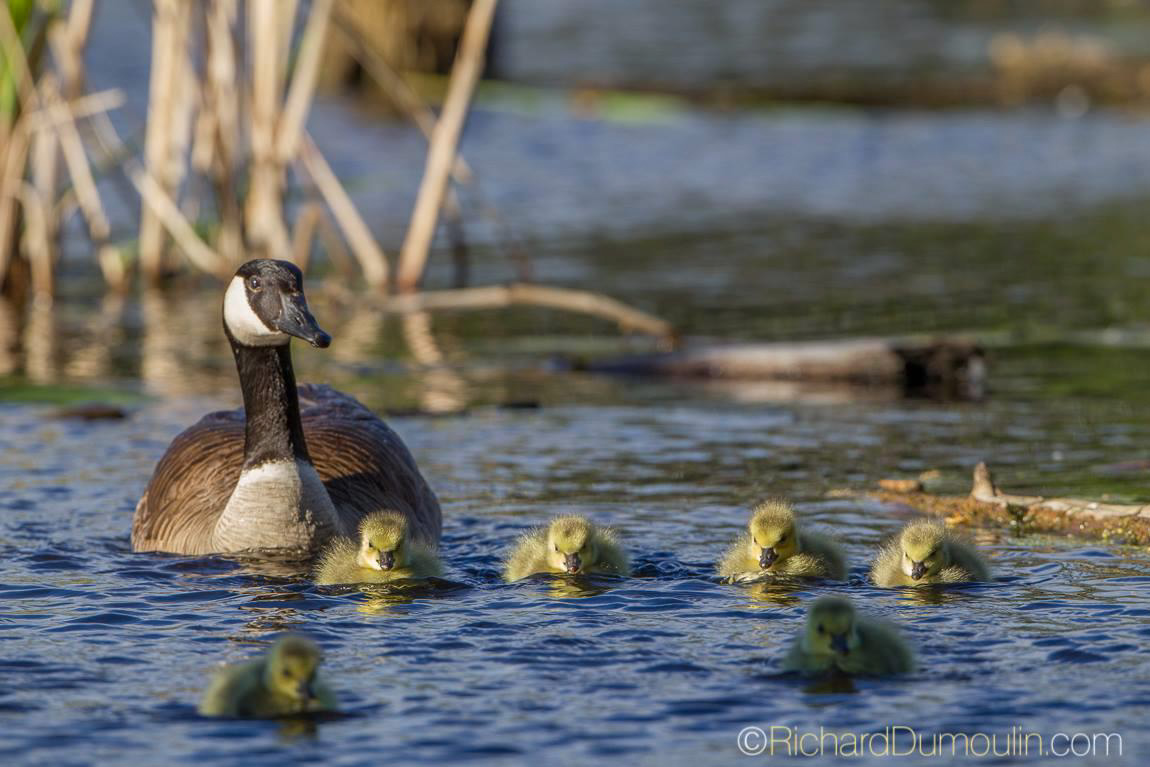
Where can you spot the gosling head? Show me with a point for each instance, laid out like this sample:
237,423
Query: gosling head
570,545
264,305
383,541
291,668
831,628
924,551
774,533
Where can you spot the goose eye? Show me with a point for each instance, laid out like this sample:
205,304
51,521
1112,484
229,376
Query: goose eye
782,539
254,283
557,547
821,629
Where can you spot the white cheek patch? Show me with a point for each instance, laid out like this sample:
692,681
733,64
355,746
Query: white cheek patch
244,324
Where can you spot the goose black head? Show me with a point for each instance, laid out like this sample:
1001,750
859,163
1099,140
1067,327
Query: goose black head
264,306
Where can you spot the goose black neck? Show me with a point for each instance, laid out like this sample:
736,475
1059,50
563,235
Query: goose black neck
273,430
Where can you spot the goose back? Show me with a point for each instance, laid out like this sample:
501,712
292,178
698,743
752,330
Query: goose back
363,464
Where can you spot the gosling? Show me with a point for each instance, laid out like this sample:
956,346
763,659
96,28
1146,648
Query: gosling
774,544
384,553
281,683
572,545
926,552
837,638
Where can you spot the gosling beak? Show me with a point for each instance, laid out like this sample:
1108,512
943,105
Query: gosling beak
386,560
573,563
917,570
839,644
296,320
306,690
767,558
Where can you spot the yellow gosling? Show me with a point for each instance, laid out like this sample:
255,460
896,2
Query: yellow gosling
281,683
837,638
383,553
926,552
572,545
774,544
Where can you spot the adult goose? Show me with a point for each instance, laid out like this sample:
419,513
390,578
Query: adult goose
291,469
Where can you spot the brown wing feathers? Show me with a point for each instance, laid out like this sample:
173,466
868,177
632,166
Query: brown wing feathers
363,463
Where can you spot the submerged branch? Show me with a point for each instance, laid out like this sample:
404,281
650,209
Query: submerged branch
987,505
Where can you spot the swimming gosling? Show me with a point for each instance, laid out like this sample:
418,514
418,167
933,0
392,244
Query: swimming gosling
926,552
837,638
774,544
572,545
281,683
384,552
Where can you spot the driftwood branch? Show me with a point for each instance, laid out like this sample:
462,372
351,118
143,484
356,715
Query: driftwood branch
501,296
987,505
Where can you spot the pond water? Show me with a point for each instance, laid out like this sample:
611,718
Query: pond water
105,652
1023,229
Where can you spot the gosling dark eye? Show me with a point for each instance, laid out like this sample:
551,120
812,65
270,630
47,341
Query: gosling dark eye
254,283
821,630
783,539
557,547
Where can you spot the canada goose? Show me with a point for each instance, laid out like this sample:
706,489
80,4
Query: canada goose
383,553
836,637
287,472
281,683
775,544
926,552
572,545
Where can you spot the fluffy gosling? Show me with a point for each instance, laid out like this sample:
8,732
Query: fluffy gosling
281,683
384,553
774,544
837,638
926,552
572,545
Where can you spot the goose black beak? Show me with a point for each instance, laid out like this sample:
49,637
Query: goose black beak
573,563
767,558
386,560
839,644
917,570
296,320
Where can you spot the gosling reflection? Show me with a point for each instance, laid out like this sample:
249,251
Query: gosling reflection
775,592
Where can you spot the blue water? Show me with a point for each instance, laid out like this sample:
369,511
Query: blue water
105,652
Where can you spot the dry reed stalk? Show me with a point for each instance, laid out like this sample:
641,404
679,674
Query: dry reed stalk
444,143
11,175
371,257
263,210
222,102
169,20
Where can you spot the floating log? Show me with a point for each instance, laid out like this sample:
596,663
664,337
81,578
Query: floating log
988,506
951,368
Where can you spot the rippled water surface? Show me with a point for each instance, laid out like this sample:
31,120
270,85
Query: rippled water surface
105,652
792,224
